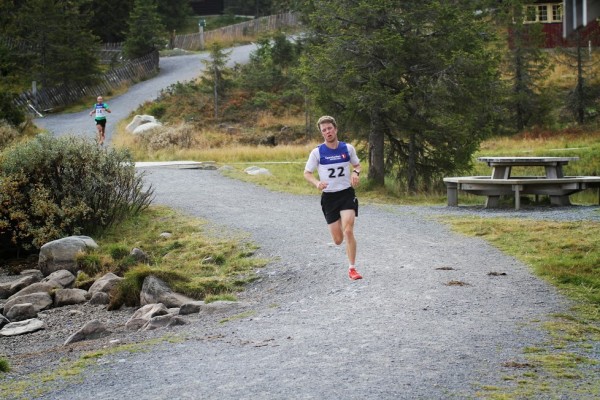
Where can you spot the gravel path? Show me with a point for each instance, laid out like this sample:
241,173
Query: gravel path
308,332
172,70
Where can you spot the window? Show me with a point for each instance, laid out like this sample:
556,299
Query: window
544,13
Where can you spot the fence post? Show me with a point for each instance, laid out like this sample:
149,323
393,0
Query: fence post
201,25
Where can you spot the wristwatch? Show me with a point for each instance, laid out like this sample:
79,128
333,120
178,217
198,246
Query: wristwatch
357,172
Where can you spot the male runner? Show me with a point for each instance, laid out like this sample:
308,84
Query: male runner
339,169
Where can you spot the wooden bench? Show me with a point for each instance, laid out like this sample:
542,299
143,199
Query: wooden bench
558,189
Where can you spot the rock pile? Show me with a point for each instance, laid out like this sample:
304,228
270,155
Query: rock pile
52,285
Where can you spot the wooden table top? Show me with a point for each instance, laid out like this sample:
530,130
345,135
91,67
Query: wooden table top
527,160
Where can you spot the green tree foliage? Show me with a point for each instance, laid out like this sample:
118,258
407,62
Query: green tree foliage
269,76
110,17
55,187
9,112
62,46
174,13
582,101
146,32
416,79
217,75
526,65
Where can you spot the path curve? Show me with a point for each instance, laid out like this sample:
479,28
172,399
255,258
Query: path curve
172,70
308,332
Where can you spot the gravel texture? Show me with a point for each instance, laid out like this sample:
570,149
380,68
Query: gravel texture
305,331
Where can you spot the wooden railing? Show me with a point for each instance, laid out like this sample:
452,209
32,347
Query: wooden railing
239,31
47,99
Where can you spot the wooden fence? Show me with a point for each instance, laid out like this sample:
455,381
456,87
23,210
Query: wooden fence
239,31
50,98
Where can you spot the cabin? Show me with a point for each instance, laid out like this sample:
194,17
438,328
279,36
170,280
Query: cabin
550,14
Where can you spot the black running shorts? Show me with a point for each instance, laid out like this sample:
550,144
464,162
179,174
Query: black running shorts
101,122
333,203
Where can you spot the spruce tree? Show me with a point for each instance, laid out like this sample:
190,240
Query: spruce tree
416,80
146,32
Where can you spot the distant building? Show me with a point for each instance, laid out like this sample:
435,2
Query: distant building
551,14
208,7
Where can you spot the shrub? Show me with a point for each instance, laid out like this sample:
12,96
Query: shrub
4,365
8,133
55,187
9,111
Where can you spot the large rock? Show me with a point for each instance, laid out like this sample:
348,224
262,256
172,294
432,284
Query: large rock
66,297
3,320
154,290
92,330
163,321
22,327
22,283
105,284
139,120
145,314
21,312
40,301
62,254
146,127
38,287
63,277
5,290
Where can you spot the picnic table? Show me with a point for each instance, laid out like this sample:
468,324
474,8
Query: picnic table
501,182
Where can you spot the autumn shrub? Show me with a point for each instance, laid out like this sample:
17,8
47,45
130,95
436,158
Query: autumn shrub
56,187
8,133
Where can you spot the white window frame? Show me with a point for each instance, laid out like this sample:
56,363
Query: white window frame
533,13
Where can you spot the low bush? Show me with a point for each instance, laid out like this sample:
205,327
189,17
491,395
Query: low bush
56,187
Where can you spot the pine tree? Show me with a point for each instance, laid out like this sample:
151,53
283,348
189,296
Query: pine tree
146,31
63,48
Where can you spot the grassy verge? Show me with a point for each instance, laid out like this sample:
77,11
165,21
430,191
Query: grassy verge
567,255
193,259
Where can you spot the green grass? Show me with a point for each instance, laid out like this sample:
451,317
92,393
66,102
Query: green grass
194,261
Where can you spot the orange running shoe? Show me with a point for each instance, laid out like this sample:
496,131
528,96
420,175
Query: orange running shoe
353,274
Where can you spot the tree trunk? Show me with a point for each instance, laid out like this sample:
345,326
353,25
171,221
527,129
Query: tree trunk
376,156
412,164
580,83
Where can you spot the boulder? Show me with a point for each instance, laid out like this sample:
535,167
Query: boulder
63,277
146,127
163,321
65,297
193,307
154,290
105,284
38,287
99,298
92,330
22,327
35,272
5,290
3,320
40,301
144,314
62,254
139,255
22,283
21,312
139,120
